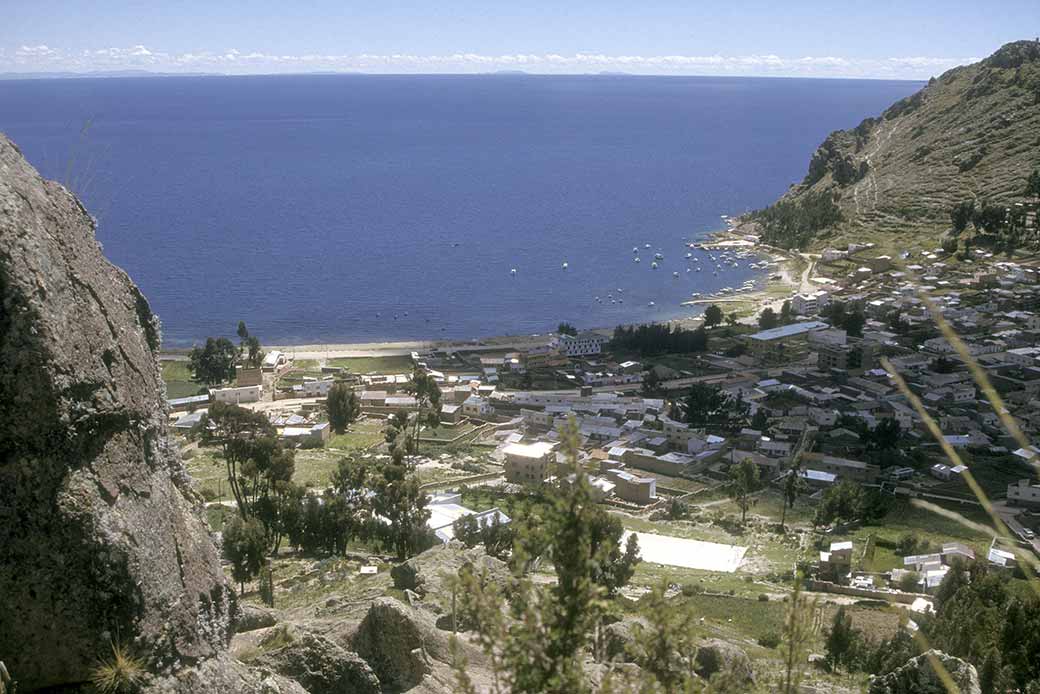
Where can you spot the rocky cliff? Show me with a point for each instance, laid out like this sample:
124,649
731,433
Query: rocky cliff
100,537
972,133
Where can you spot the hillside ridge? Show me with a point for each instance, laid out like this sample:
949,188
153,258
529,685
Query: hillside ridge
973,133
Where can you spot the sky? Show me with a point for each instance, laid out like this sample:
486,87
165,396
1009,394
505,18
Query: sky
909,39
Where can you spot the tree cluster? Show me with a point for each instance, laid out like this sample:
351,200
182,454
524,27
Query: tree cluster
793,223
249,347
215,362
496,536
848,648
839,316
980,617
343,406
848,502
653,339
710,407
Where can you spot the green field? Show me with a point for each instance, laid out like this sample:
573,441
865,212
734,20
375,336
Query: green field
178,379
381,365
359,436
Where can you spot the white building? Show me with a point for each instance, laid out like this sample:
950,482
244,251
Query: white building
1024,493
583,344
809,304
313,389
237,396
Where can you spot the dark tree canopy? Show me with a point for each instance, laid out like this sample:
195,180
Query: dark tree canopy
343,405
214,363
712,316
653,339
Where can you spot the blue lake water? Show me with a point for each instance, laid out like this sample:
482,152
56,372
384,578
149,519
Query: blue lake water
319,207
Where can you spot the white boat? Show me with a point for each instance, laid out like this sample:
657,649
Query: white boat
695,295
689,255
651,304
659,256
654,265
637,259
635,249
513,272
675,274
565,265
646,245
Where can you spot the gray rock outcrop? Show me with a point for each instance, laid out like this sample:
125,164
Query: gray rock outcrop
251,617
100,533
321,667
918,676
717,656
399,643
620,639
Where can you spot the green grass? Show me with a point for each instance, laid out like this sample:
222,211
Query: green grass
381,365
178,379
207,467
216,516
906,519
358,436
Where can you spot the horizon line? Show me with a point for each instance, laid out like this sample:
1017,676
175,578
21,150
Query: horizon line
136,73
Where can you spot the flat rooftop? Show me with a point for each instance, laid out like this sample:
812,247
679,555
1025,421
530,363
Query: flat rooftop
789,330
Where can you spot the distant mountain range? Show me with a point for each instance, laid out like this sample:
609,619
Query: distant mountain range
971,134
99,73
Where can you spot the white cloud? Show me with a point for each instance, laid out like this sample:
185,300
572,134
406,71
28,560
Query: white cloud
42,58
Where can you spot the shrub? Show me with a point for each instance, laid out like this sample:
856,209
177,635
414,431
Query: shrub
762,597
690,589
770,640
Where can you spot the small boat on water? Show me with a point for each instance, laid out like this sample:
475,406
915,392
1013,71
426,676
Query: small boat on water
651,304
565,266
513,272
654,265
675,274
637,259
659,256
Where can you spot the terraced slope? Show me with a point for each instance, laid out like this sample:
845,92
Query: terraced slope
972,133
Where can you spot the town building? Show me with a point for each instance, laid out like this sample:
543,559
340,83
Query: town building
1024,493
529,463
782,344
237,395
582,344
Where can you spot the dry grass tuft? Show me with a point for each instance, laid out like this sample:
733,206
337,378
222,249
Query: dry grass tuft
121,674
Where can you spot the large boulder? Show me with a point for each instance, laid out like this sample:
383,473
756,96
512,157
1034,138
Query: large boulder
716,656
399,643
320,666
251,617
918,676
620,641
102,540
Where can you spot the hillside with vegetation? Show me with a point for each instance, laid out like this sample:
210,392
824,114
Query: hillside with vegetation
970,135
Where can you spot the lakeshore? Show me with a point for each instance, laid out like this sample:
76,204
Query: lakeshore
790,274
